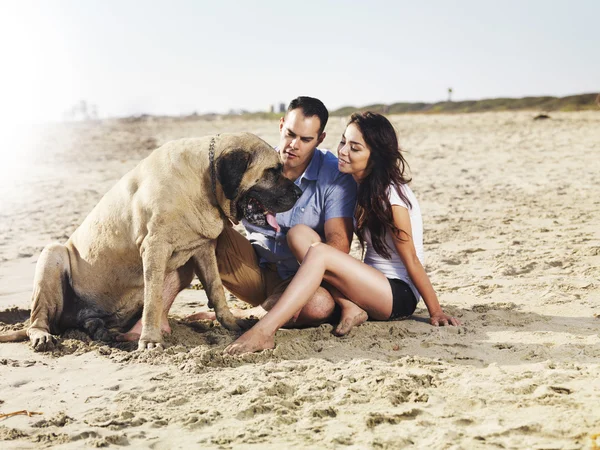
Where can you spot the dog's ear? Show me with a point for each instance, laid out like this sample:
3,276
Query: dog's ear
231,168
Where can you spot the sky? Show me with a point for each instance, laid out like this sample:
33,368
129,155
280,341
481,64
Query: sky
175,57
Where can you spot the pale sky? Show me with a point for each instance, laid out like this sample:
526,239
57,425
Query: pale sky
176,56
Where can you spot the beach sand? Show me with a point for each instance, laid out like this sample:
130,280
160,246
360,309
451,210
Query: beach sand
511,211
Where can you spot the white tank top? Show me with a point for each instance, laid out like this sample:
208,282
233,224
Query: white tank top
394,267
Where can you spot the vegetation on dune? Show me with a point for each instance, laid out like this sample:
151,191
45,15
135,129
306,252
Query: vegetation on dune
539,104
571,103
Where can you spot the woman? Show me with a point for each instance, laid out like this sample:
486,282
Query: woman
388,283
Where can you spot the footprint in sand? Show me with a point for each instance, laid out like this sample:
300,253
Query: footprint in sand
451,261
60,420
514,271
25,252
253,411
324,413
375,419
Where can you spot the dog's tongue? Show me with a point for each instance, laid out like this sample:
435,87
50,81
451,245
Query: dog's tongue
273,222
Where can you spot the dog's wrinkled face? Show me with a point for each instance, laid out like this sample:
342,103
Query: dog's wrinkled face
254,182
272,194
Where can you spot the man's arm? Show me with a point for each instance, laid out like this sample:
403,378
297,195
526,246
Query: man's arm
340,201
338,233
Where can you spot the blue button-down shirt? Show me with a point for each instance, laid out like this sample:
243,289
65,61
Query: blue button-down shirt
326,194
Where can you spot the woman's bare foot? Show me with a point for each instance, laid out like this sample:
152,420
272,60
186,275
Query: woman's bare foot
352,316
251,341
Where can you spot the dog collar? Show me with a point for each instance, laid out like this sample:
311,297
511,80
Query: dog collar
211,162
213,179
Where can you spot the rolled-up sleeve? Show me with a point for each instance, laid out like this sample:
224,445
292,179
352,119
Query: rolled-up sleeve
340,198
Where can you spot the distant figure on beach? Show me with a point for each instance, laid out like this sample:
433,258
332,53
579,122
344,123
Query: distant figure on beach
388,284
258,268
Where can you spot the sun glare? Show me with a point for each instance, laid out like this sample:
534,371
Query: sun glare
37,84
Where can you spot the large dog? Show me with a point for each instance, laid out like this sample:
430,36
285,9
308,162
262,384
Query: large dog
143,242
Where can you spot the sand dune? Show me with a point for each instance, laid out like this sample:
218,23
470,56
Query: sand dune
511,208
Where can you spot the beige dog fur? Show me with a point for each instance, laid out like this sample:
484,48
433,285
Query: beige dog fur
143,242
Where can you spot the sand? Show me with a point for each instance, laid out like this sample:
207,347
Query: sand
511,210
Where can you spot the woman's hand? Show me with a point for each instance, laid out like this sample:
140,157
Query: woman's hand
440,318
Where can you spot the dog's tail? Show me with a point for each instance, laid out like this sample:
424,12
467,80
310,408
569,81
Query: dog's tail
14,336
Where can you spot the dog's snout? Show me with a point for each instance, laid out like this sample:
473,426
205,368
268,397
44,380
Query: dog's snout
297,192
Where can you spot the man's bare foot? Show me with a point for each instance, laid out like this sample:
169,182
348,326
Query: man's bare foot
252,313
251,341
136,331
352,316
204,315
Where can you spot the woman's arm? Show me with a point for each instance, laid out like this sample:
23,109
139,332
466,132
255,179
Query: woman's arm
408,255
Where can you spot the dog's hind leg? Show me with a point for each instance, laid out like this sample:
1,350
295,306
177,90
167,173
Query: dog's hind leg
208,273
175,282
50,285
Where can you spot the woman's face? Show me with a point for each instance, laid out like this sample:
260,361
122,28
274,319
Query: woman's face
353,153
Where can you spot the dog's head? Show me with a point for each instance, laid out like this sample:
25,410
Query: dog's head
250,174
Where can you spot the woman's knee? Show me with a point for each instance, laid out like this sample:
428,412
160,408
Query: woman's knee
300,238
316,250
304,233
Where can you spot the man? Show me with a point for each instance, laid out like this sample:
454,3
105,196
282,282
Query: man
257,269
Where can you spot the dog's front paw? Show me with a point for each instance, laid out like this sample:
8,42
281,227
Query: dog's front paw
227,319
246,324
41,340
149,345
151,341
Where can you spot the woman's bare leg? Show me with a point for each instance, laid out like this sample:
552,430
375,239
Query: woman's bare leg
363,285
300,238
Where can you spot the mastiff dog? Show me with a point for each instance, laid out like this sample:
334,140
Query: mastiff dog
148,236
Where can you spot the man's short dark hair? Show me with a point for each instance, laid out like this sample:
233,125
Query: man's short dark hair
311,107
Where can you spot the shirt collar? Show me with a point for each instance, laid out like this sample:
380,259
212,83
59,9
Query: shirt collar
314,166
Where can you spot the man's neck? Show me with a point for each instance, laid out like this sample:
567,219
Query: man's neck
294,173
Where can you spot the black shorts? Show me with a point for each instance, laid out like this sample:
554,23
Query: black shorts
404,300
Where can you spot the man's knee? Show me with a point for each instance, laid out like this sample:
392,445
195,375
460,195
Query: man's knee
318,309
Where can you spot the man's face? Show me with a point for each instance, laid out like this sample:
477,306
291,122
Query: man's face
298,140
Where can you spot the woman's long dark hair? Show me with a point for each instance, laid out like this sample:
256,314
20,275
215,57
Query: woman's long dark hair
385,169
